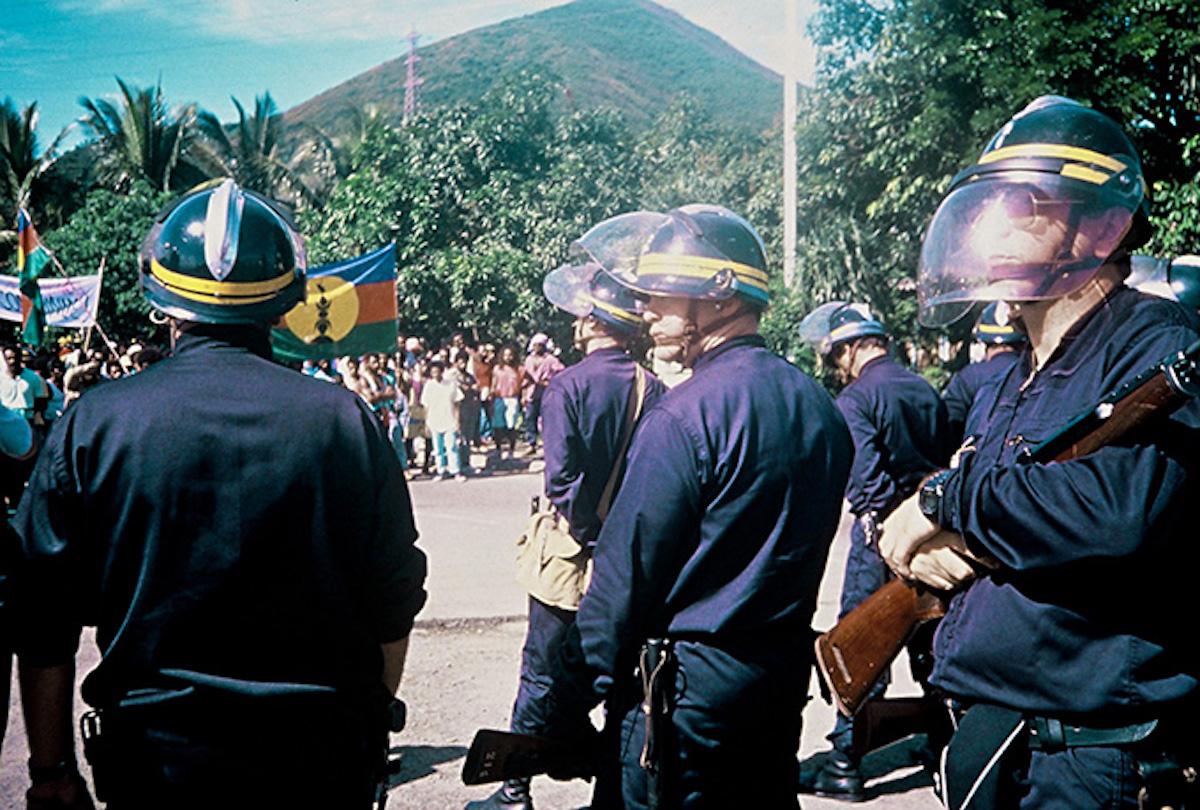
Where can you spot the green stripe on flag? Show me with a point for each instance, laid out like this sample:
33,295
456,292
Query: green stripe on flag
373,337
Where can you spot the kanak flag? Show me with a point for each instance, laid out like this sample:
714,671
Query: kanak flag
32,256
350,309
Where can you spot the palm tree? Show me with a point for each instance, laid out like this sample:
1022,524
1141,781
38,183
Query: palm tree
139,137
255,153
22,165
361,124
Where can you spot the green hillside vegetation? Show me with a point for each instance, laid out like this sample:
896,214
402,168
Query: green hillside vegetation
631,55
618,106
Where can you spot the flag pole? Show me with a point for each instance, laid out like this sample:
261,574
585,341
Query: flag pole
791,37
87,338
111,348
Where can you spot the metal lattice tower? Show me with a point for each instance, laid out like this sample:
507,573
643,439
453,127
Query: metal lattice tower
411,82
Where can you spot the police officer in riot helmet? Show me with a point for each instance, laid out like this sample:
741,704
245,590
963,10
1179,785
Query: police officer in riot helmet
1073,676
707,567
240,536
900,434
589,412
1001,338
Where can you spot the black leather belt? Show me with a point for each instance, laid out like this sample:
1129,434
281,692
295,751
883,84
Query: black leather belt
1050,734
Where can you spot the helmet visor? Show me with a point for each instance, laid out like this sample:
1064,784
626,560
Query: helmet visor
569,288
1177,279
814,329
616,244
1015,236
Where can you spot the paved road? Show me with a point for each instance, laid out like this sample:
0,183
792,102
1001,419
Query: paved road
465,656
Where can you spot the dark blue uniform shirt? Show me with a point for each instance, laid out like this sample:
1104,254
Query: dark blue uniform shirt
1093,611
222,520
722,525
960,393
583,421
899,427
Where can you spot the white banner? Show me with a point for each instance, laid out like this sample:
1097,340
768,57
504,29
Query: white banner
70,302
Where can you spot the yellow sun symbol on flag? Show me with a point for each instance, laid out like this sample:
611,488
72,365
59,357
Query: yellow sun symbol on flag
328,313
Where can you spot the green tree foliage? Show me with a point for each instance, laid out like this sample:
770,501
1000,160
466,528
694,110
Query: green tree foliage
255,150
1176,206
481,200
110,228
22,163
483,292
140,138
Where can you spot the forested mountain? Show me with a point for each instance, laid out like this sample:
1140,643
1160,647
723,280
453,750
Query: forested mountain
631,55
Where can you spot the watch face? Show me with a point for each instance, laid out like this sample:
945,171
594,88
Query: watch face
928,501
931,495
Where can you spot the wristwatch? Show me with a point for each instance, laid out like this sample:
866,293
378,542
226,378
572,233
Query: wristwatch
929,497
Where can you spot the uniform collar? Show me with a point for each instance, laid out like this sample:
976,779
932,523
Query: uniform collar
710,356
608,352
874,362
1064,360
200,335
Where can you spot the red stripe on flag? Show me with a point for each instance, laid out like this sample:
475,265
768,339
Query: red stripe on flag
376,302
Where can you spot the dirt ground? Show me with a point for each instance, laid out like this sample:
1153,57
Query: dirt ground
468,684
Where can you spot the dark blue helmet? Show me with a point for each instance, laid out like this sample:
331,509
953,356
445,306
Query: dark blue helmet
695,251
1059,174
223,254
838,322
994,327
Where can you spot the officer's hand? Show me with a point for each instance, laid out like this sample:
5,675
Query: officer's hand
942,562
67,792
904,531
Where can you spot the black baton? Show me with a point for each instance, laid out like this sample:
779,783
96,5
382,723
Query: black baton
654,665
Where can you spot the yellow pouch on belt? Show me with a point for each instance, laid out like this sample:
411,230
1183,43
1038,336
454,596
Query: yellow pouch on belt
551,565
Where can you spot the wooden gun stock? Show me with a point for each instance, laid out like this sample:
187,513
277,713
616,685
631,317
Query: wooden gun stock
855,653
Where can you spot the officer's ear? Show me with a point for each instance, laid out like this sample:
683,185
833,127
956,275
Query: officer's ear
1109,231
592,326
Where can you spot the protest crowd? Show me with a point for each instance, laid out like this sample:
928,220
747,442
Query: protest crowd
484,398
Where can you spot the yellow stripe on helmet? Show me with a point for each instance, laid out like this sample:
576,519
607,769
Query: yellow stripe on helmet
1088,175
202,289
617,312
1055,150
841,331
664,264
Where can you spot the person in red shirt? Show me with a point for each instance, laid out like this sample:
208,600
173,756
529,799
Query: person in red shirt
506,408
536,372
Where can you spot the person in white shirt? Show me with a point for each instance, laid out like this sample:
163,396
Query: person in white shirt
441,396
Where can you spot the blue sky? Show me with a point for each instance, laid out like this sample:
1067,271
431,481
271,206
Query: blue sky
56,51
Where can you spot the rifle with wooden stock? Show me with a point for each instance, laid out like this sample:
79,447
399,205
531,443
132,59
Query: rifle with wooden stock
855,653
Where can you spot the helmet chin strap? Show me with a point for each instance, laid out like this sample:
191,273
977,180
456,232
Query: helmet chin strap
693,332
698,333
1066,256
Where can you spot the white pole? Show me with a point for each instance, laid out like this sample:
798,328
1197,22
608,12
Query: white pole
792,36
87,340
